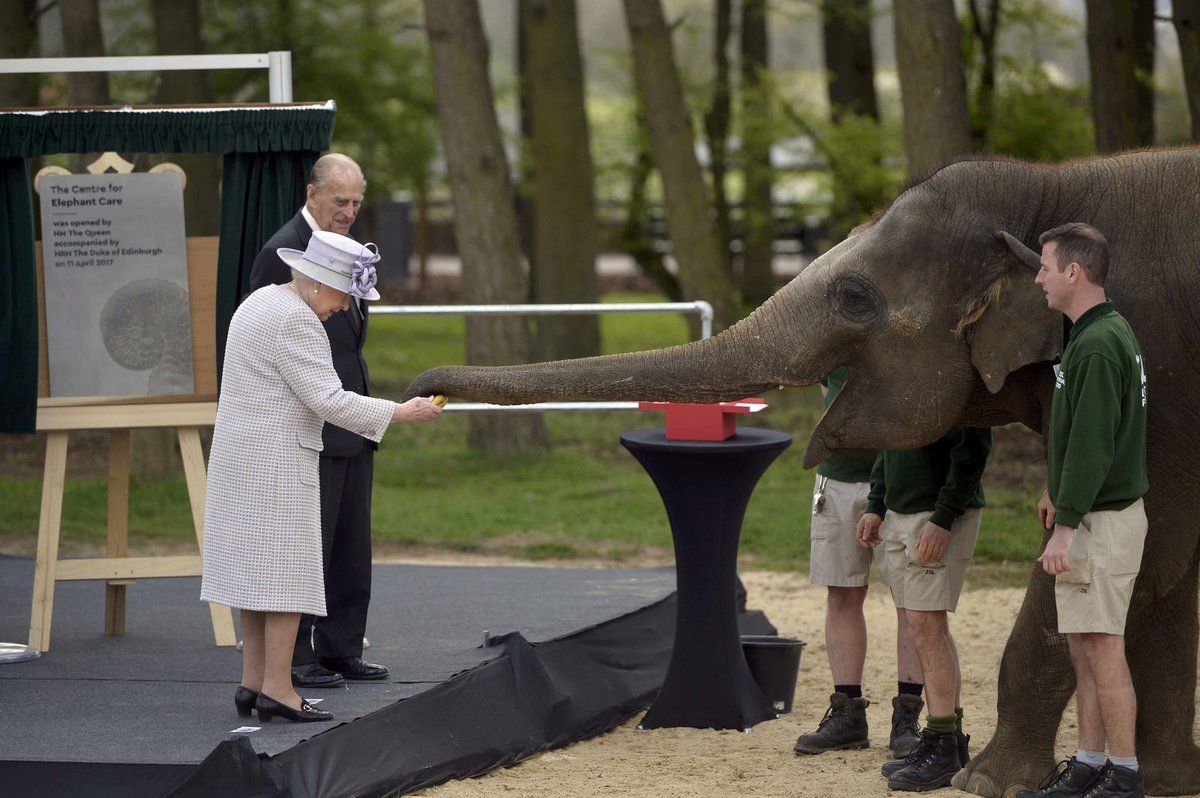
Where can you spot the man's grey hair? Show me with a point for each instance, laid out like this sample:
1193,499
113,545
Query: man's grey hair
331,164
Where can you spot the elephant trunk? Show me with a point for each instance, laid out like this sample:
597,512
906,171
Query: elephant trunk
754,355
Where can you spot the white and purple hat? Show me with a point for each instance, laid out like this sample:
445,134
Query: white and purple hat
337,261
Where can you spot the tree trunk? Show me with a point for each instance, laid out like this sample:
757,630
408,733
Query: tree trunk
563,192
758,278
485,225
849,58
716,126
1120,38
1186,15
933,88
524,170
634,237
84,38
701,267
18,39
177,25
984,24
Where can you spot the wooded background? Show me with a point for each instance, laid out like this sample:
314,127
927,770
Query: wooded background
701,137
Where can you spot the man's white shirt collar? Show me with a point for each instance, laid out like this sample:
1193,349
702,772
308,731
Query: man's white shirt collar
308,217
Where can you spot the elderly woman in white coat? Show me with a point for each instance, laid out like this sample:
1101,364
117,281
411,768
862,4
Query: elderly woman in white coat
262,531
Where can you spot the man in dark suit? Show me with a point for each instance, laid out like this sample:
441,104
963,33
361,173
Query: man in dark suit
329,650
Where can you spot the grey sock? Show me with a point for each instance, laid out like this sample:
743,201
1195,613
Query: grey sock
1125,762
1093,759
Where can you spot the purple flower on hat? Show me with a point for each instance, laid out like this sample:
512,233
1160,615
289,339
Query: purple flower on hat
362,273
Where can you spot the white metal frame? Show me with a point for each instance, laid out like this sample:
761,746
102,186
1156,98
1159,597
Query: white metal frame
278,64
699,307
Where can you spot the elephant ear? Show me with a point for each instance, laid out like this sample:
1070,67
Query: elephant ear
1010,326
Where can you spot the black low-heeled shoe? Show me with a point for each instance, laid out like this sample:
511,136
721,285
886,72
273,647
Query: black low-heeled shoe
244,700
268,708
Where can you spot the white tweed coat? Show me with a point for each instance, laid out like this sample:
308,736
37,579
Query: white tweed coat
262,514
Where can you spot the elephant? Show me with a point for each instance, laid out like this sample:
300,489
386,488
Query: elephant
934,309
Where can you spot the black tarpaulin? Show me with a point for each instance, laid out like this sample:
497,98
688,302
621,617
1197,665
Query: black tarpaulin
530,698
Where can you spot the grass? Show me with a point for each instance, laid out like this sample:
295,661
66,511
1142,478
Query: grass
585,499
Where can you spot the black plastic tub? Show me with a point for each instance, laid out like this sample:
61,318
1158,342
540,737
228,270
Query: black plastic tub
774,662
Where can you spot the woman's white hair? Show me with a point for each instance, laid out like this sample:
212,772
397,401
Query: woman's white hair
303,279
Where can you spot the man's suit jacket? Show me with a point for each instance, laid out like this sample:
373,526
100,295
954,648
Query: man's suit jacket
345,342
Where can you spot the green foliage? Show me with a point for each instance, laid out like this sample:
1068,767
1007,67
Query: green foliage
614,141
862,165
1032,116
1039,23
1037,120
863,174
367,55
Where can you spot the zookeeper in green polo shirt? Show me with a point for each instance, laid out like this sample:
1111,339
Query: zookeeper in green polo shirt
839,563
1096,463
924,508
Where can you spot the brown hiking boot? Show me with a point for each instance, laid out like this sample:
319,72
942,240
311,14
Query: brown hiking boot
843,727
906,728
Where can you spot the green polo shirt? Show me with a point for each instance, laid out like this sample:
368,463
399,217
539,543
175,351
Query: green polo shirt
943,477
1097,453
844,465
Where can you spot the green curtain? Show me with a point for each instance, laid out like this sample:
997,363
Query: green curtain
259,192
231,130
18,301
268,152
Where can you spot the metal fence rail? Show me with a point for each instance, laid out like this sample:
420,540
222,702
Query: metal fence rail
278,64
699,307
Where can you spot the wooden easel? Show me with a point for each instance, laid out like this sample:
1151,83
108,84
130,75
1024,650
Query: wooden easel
60,416
117,569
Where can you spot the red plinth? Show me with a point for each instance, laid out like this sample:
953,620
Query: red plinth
703,422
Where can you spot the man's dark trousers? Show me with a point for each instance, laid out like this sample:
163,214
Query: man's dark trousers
345,509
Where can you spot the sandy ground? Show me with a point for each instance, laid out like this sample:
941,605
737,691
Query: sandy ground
691,762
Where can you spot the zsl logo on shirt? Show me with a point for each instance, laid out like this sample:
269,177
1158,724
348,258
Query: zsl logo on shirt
1060,377
1142,367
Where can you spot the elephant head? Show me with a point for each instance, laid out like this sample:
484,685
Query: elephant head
931,306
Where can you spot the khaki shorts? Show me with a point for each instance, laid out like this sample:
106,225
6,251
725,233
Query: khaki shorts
1105,556
927,585
837,559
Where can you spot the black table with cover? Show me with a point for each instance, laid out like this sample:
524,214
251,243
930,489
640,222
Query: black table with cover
706,486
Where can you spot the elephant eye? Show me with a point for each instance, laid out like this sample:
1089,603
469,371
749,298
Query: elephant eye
855,300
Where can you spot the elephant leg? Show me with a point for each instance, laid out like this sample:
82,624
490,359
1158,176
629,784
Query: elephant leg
1036,682
1160,645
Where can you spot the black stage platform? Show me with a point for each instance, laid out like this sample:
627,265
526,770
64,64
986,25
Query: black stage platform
134,715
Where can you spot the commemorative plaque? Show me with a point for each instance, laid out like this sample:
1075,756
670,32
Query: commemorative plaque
114,256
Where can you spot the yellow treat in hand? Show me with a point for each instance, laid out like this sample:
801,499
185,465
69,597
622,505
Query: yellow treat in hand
439,400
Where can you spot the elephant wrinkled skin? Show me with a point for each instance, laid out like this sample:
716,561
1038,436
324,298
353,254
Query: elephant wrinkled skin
935,310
